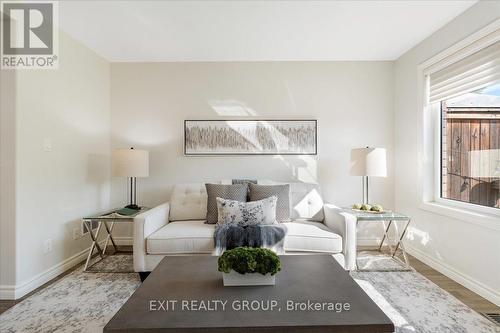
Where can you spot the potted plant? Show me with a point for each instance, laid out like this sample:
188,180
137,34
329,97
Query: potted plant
246,266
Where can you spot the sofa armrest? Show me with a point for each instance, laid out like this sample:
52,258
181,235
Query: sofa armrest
144,225
344,225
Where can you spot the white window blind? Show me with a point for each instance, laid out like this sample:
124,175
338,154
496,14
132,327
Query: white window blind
474,72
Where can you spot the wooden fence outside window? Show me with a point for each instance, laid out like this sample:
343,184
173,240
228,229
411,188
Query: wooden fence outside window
471,155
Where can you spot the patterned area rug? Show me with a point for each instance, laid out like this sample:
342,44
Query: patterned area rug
120,263
84,302
373,260
414,303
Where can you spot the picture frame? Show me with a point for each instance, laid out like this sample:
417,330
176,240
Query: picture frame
250,137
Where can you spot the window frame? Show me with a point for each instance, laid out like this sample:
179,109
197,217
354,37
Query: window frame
430,143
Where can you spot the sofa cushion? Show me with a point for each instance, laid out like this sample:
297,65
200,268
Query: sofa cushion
182,237
282,192
236,192
188,202
305,200
307,236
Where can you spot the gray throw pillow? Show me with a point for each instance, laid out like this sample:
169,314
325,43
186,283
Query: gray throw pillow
236,192
282,192
245,181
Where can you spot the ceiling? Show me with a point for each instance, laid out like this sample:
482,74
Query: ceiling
146,31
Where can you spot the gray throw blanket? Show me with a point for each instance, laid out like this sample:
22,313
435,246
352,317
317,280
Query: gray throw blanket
229,236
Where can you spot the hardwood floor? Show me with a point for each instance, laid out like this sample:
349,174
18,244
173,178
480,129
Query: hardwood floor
471,299
468,297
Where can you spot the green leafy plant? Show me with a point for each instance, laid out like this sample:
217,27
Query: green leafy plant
249,260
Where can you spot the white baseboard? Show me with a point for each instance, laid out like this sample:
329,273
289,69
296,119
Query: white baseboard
7,292
12,292
15,292
465,280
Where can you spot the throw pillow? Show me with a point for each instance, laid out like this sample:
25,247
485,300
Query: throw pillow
282,192
245,181
306,202
236,192
247,213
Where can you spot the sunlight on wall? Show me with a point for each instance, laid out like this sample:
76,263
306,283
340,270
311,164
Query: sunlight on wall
413,233
309,173
231,107
238,108
304,167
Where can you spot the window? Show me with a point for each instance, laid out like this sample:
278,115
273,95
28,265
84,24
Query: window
470,146
466,95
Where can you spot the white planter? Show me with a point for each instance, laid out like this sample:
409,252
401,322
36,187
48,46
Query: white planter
252,279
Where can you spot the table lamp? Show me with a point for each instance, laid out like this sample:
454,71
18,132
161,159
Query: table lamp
131,163
368,162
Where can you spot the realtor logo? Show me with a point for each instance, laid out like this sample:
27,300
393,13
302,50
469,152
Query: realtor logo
29,35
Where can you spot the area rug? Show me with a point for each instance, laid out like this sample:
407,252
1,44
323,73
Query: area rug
84,302
119,263
375,260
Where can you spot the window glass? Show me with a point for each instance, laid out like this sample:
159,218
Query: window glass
470,147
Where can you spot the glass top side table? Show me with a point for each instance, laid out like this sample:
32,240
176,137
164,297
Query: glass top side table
108,220
387,219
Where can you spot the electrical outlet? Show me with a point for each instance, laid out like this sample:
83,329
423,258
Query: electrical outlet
47,246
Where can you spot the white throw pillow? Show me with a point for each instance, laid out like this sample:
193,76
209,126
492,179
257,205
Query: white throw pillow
247,213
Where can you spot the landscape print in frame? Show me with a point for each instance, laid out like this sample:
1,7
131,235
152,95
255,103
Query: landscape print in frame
250,137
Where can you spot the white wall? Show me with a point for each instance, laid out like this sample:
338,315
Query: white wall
7,178
70,107
353,102
464,251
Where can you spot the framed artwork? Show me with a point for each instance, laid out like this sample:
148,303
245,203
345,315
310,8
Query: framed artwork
250,137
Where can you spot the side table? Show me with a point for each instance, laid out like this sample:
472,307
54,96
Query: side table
108,220
387,219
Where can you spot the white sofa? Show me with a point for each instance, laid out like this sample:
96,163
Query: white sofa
178,227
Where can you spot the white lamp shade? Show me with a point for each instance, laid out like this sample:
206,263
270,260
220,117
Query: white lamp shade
130,163
368,162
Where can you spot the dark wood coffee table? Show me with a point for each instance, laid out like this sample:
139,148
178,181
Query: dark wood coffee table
188,282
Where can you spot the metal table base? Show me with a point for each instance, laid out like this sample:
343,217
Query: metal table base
101,252
107,222
392,252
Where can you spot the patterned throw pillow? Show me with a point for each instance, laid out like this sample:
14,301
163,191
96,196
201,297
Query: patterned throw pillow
236,192
245,181
247,213
282,192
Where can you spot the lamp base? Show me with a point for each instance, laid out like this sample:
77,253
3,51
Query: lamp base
365,190
133,206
